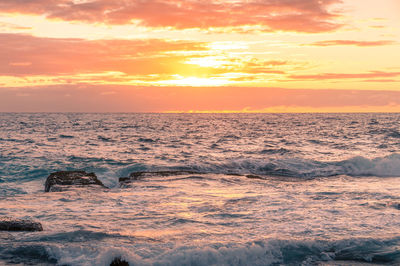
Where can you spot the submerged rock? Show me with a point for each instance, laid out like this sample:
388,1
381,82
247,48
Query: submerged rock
140,175
9,224
58,181
119,262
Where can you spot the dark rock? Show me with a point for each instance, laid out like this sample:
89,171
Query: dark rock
119,262
9,224
255,177
140,175
124,179
57,180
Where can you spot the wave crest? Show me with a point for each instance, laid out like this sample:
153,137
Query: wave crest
388,166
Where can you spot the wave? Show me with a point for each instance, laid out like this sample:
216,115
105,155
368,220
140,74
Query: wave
27,255
77,236
275,151
263,252
284,252
394,134
388,166
105,139
63,136
146,140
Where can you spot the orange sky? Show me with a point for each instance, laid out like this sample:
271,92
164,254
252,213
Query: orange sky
200,55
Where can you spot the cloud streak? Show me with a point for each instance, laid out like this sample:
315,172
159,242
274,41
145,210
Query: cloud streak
23,55
271,15
353,43
327,76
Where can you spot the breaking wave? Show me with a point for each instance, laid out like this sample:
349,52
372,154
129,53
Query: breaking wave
268,252
388,166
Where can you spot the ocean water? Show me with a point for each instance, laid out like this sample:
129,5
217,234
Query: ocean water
270,189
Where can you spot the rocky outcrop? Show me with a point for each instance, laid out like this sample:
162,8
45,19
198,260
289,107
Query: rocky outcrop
119,262
140,175
64,180
10,224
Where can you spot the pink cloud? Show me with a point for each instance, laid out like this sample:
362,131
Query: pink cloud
286,15
23,55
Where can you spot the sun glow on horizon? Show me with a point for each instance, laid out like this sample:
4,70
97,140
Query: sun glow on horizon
194,81
209,61
346,45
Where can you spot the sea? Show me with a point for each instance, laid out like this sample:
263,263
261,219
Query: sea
260,189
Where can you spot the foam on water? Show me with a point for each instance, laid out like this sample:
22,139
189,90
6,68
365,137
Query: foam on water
388,166
271,252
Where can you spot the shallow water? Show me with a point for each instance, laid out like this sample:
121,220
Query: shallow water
327,190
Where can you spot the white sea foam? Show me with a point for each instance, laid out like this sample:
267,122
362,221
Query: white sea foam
269,252
388,166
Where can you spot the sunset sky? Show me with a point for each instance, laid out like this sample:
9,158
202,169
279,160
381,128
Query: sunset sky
200,55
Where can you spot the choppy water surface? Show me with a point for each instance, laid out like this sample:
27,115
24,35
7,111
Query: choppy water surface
327,192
